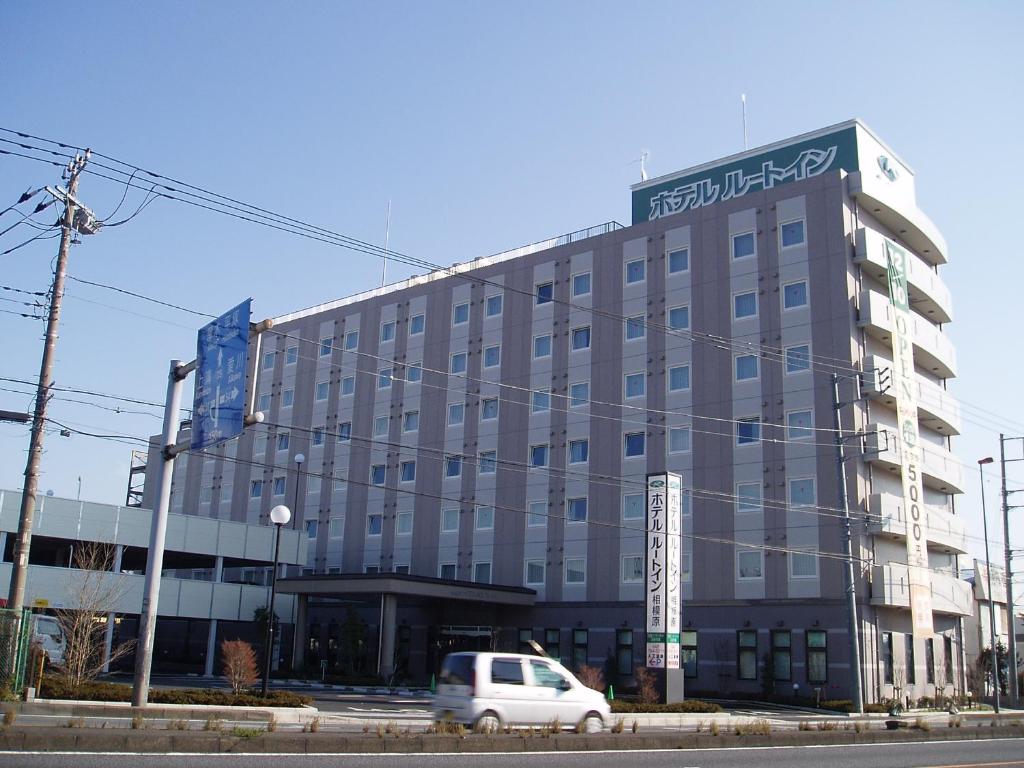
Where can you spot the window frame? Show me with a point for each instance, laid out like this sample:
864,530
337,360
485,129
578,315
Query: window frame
643,506
739,568
497,362
448,464
625,445
325,388
401,471
487,464
476,518
456,308
326,346
405,514
388,324
807,295
547,455
803,233
569,504
642,261
538,301
582,582
501,305
789,493
736,316
572,338
807,362
635,321
744,651
669,382
348,383
689,440
736,368
533,350
579,440
526,573
590,283
572,397
537,519
791,431
668,261
456,516
635,579
803,552
422,317
477,564
543,394
373,474
452,357
371,516
351,340
816,650
406,429
486,403
634,376
680,308
736,236
744,505
754,438
461,407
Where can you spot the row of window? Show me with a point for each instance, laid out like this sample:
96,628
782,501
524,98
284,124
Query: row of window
816,654
906,673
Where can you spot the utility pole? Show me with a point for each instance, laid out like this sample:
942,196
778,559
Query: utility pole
853,631
16,597
1011,633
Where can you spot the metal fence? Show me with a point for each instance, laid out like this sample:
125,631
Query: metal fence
15,639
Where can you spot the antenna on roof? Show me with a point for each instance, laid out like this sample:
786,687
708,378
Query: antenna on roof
743,98
644,154
387,236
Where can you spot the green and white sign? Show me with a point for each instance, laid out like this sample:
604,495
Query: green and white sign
664,547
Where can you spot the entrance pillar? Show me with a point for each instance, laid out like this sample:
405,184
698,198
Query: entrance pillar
300,632
388,618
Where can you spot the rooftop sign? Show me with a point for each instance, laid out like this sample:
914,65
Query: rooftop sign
769,167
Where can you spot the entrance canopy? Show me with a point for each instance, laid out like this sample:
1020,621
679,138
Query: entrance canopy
404,585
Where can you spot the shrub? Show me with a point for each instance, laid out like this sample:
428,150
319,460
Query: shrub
618,726
636,726
76,722
213,724
138,722
837,705
54,688
691,706
272,724
877,707
592,677
241,669
828,725
177,725
804,726
314,725
754,728
922,725
715,729
10,715
647,690
246,733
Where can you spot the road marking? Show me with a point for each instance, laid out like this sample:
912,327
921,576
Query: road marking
976,765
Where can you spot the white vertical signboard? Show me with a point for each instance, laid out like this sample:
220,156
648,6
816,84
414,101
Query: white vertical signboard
905,383
664,502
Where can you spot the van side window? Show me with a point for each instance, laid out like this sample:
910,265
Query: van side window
545,676
507,671
457,670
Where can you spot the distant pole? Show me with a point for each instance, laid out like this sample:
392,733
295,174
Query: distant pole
743,99
19,575
387,237
1011,650
991,597
79,488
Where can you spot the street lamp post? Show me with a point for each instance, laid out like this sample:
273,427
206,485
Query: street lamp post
279,516
988,576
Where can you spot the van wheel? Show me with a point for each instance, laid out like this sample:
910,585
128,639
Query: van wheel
593,723
488,722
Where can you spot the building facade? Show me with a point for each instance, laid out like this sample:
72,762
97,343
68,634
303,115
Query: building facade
476,440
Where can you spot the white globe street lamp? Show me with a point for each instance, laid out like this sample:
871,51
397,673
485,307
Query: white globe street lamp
279,516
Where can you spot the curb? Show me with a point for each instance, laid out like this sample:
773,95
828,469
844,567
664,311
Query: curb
67,708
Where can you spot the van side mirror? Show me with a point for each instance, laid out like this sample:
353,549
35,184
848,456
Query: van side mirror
564,685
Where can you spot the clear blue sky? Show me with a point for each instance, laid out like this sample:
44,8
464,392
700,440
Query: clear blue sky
488,126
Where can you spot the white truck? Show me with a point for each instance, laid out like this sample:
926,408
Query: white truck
46,633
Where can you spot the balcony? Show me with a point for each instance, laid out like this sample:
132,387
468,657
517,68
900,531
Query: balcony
940,469
936,408
928,293
890,586
906,221
945,532
933,350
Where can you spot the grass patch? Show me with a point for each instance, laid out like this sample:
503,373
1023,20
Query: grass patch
53,688
691,706
246,733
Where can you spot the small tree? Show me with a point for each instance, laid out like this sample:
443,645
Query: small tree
93,593
592,677
647,689
241,669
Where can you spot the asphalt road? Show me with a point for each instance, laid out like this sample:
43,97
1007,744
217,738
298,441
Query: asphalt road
995,753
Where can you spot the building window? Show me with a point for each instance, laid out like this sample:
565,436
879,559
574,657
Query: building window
488,462
688,651
279,486
744,305
575,570
336,527
679,318
624,651
282,441
374,525
417,323
794,295
453,466
403,630
817,656
387,331
457,363
318,436
750,564
485,518
580,642
581,284
679,261
291,355
887,659
348,385
686,502
311,527
371,570
636,327
403,523
746,658
287,398
322,390
493,305
540,401
268,360
553,643
446,571
782,656
636,271
537,516
264,403
351,341
633,506
799,425
798,358
679,440
791,233
748,497
746,367
579,394
380,426
408,471
456,413
488,408
909,659
377,472
413,373
542,346
538,455
634,444
679,378
802,492
748,430
410,421
684,566
803,565
635,385
947,655
492,356
449,520
632,569
579,451
339,484
460,313
743,245
482,573
326,345
344,431
581,338
384,378
576,510
545,293
256,489
929,660
534,573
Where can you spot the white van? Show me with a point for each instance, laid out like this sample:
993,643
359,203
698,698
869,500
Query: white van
492,690
46,633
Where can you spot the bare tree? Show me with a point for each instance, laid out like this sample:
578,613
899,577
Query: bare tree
93,593
899,678
940,682
240,665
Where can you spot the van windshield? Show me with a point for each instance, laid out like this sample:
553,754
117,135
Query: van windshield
457,670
